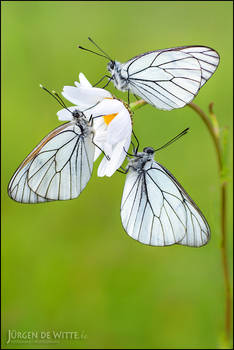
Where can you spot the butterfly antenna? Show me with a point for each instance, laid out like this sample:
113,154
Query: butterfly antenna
133,147
59,98
98,47
129,154
138,143
96,53
173,140
56,96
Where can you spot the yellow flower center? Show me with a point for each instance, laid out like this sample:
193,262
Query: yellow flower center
108,118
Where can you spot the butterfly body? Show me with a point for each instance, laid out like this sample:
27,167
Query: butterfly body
82,123
119,80
156,210
141,161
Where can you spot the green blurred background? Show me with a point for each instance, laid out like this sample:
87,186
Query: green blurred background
69,266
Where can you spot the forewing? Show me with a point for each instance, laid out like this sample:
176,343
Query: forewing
170,78
152,209
18,188
208,59
57,169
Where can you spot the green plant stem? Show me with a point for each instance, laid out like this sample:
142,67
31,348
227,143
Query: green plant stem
213,128
213,134
137,104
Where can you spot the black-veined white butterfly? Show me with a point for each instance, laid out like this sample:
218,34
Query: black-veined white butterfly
168,78
59,167
155,209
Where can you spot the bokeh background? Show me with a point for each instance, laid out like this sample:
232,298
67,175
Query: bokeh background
69,266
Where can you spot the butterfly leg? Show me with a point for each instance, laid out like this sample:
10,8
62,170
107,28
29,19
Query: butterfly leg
136,97
92,118
129,154
133,146
99,81
128,97
138,143
107,157
110,78
122,171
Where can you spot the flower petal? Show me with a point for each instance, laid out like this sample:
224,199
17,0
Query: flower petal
102,167
117,157
107,106
120,127
70,93
87,97
97,153
84,81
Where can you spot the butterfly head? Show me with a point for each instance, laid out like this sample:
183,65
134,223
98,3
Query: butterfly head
76,114
82,122
149,150
113,67
139,159
78,117
148,153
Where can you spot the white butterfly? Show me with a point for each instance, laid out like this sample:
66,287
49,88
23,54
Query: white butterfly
58,168
166,79
156,210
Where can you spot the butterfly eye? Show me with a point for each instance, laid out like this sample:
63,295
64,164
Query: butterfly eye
148,150
76,113
111,65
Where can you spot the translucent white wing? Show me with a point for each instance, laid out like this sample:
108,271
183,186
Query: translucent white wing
208,59
170,78
155,210
57,169
197,228
18,188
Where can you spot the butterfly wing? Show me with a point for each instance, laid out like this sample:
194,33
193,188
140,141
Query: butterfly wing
170,78
18,188
59,168
155,210
198,230
208,59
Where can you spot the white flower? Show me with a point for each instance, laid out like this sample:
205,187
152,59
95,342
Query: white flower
111,122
